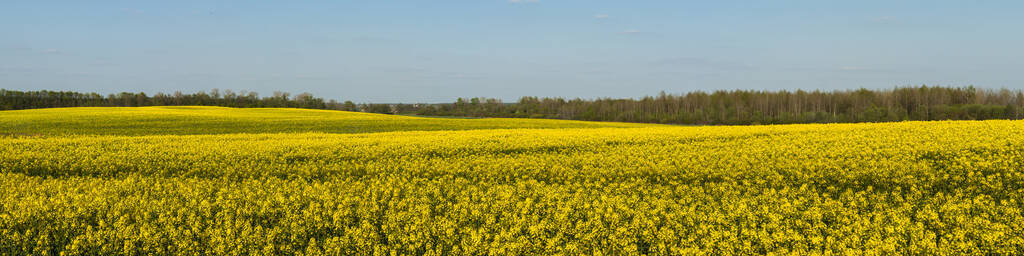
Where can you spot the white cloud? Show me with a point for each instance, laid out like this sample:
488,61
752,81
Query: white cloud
601,16
631,31
52,51
523,1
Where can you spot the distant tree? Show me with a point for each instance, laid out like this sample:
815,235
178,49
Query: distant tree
378,108
349,106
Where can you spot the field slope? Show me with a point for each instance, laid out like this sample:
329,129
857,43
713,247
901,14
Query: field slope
278,181
220,120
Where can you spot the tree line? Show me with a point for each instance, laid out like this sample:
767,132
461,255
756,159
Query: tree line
13,100
741,107
736,107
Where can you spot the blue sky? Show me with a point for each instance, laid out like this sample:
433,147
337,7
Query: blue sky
436,51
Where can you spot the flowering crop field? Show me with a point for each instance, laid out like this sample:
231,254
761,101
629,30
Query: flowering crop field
221,181
189,120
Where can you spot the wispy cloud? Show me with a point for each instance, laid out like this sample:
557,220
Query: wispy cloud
52,51
132,11
700,63
17,69
682,61
854,68
79,73
883,19
523,1
202,12
601,16
631,32
311,77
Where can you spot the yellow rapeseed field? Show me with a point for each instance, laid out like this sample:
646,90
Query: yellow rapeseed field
221,181
188,120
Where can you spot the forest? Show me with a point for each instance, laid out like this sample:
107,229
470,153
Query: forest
735,107
11,100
